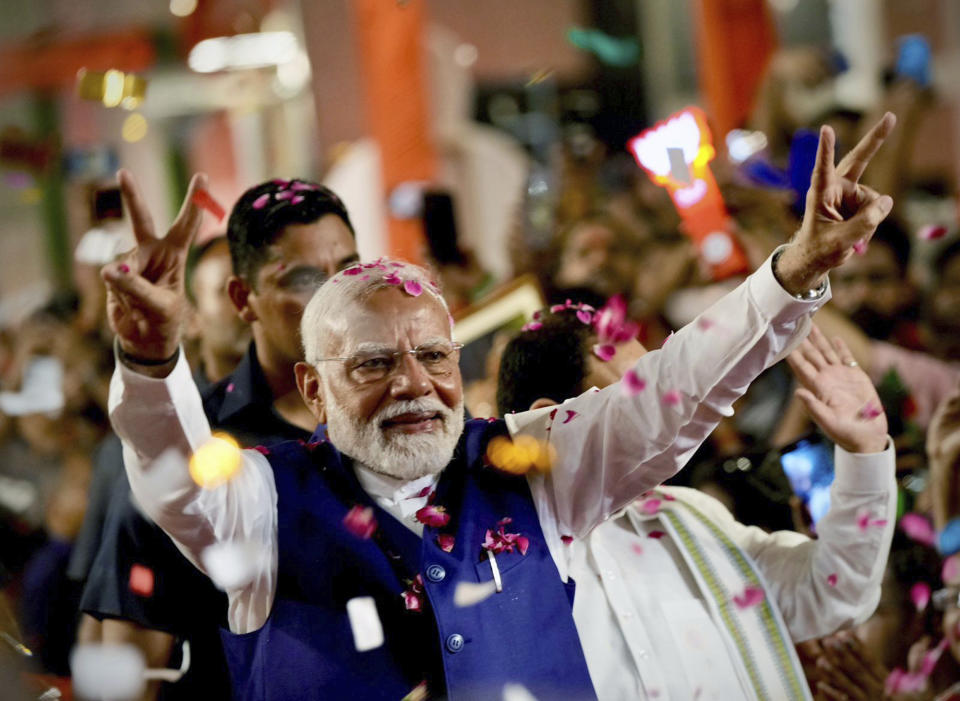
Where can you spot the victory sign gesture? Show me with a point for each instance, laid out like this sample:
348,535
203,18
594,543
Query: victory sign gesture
840,213
145,289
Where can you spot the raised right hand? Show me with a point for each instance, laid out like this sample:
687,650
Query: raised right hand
146,300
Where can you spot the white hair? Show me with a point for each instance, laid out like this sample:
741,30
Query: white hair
332,306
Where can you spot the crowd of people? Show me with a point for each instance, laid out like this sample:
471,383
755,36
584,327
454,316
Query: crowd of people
658,507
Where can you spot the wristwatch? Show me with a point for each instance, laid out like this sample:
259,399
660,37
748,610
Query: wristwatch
809,295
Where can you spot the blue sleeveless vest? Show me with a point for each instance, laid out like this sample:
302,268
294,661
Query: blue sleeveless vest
523,635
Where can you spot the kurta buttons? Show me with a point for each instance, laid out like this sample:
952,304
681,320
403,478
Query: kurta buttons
455,642
436,573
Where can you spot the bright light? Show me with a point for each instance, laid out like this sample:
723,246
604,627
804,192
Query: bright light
134,128
465,55
216,461
243,51
681,132
113,82
742,144
183,8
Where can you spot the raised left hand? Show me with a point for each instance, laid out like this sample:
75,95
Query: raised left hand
839,395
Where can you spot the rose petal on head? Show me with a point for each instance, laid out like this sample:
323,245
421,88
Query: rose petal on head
284,195
671,397
261,201
412,288
751,596
392,279
296,199
604,351
355,270
571,414
532,326
920,595
445,541
360,521
832,579
632,384
860,247
931,232
918,528
584,316
301,187
557,308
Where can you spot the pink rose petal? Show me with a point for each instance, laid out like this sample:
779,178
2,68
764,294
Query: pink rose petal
261,201
446,542
920,595
411,601
705,324
584,316
604,351
869,411
557,308
860,247
632,384
865,520
651,506
671,397
522,544
355,270
262,449
285,195
931,233
433,516
668,497
392,279
360,521
566,539
532,326
296,199
637,548
231,387
301,187
832,579
656,535
751,596
918,528
412,288
932,657
571,414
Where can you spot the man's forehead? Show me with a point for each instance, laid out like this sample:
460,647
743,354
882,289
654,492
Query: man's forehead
392,318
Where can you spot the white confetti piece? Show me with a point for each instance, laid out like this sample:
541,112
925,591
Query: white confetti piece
234,564
517,692
471,594
365,623
111,671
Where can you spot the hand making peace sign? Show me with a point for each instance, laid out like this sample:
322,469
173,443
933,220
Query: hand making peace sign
840,211
145,288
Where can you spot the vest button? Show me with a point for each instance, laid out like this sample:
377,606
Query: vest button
436,573
455,642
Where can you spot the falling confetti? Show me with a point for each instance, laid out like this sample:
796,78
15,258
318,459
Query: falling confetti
920,595
360,521
632,384
433,516
931,232
365,623
750,597
471,593
671,397
445,542
832,579
604,351
869,411
232,565
205,200
216,461
918,528
141,580
108,671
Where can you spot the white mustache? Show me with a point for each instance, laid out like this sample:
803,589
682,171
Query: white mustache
412,406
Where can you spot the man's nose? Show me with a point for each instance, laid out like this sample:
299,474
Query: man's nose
410,380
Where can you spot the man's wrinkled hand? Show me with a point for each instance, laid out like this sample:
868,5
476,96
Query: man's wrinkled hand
839,395
146,301
840,213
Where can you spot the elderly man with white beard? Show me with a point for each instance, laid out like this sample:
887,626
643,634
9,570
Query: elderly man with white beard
399,507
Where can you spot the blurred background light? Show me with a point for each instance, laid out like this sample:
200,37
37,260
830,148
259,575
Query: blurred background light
243,51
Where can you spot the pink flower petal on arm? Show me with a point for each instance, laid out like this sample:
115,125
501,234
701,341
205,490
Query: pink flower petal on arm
920,595
671,397
751,596
446,542
860,247
918,528
361,522
832,579
571,414
604,351
869,411
632,384
261,201
412,288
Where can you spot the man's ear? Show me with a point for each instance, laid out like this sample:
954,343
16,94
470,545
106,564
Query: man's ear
542,402
239,292
309,384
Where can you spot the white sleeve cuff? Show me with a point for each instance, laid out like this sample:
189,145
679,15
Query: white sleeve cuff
864,472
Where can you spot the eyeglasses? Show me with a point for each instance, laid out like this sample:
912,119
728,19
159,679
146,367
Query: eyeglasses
946,598
438,359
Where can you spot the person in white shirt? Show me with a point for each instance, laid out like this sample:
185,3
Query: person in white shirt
381,373
644,584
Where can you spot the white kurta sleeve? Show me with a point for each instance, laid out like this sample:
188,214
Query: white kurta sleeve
834,581
612,447
161,423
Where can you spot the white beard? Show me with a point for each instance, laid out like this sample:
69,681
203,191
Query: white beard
403,456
